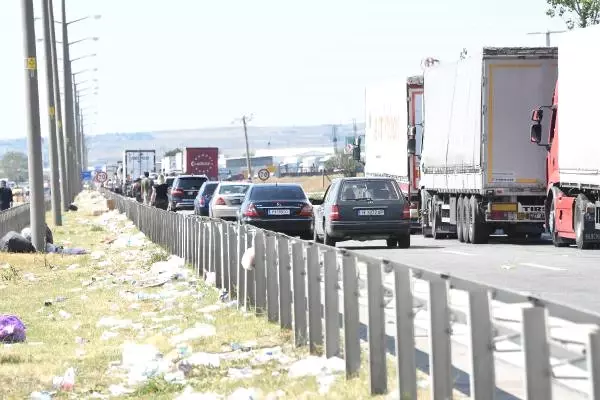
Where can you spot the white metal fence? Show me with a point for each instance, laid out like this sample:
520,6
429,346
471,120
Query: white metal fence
319,292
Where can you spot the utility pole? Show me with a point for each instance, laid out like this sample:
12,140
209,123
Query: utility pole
245,120
77,127
34,137
60,133
69,107
547,34
52,145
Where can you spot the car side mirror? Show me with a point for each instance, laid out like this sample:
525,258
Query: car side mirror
535,134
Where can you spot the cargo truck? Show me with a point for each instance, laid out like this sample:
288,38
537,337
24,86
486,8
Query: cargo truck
390,108
478,174
201,161
572,162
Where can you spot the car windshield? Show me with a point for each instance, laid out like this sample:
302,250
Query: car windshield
233,189
209,189
369,190
277,193
190,183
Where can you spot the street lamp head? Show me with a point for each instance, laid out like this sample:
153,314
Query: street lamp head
97,16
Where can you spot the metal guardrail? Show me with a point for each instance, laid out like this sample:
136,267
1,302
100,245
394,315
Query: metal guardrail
296,284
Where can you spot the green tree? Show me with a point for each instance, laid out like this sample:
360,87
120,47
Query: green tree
343,162
575,13
14,166
171,153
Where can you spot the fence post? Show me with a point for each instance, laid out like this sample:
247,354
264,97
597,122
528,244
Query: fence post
241,272
206,238
405,334
332,304
223,230
260,272
351,315
482,377
538,374
232,257
593,363
313,276
377,350
272,284
299,293
217,230
285,288
250,276
440,358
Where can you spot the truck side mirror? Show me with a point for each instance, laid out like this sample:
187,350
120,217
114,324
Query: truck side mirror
536,133
411,146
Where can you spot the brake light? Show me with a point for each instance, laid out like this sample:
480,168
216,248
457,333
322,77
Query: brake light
177,192
406,210
335,213
306,211
220,201
251,211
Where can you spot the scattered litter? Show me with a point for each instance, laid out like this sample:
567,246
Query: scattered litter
12,329
243,373
107,335
245,394
320,367
96,255
41,395
205,359
189,394
175,377
211,278
29,277
64,314
65,382
248,259
200,330
113,322
119,390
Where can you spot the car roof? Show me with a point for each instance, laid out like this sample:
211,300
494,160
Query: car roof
277,184
370,178
234,183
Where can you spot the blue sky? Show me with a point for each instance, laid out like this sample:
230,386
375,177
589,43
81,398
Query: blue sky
170,64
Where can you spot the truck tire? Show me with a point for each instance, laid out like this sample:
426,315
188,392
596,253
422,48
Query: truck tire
459,219
426,215
557,241
578,222
478,233
467,215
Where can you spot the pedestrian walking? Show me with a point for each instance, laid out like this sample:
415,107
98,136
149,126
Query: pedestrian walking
6,196
160,198
146,188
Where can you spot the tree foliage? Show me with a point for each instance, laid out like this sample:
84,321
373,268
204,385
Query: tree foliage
13,165
344,163
575,13
171,153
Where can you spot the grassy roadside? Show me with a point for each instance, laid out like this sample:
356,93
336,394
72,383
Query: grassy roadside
85,311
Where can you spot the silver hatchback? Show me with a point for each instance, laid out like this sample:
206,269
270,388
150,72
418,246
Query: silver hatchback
227,199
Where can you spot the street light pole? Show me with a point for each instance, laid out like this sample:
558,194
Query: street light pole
34,137
245,120
60,132
69,107
52,148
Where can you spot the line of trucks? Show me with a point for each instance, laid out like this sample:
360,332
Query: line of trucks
456,140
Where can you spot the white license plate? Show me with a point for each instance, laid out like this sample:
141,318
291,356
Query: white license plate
190,192
279,212
368,213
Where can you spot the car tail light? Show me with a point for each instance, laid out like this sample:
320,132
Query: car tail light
335,213
220,202
177,192
251,211
406,210
306,211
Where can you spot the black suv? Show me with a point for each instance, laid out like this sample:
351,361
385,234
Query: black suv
363,209
184,191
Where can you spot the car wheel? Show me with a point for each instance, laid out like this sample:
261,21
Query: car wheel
316,238
329,241
404,241
391,243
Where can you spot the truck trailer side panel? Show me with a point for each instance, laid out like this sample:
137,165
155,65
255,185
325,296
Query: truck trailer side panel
386,131
579,88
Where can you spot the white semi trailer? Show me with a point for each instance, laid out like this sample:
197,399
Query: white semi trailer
478,171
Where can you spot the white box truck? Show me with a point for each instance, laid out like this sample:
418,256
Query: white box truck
478,171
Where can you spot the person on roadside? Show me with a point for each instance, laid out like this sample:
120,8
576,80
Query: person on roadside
160,198
147,188
6,196
136,189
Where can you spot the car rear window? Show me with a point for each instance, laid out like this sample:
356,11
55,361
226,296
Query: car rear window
233,189
369,189
190,183
209,188
277,193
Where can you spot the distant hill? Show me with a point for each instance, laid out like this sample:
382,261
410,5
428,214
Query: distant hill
108,148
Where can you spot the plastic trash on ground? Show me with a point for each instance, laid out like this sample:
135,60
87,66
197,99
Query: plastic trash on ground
12,329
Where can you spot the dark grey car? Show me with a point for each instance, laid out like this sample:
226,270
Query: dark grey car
363,209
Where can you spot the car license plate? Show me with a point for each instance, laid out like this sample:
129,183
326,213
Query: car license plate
279,212
190,192
369,213
236,201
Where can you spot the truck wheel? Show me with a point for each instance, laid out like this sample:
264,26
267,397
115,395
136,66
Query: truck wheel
578,222
459,219
466,219
436,218
426,215
477,230
557,241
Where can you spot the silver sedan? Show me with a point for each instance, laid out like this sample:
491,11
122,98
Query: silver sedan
227,199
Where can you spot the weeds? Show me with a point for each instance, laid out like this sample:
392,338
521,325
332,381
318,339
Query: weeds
10,273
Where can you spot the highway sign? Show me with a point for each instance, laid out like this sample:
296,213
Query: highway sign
101,177
264,174
86,175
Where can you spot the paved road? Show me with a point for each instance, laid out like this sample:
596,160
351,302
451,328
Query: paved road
568,275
